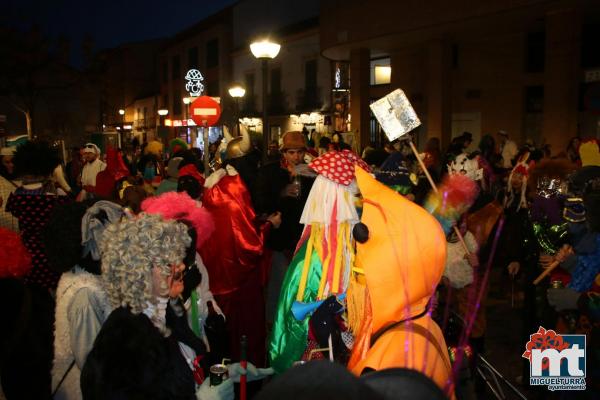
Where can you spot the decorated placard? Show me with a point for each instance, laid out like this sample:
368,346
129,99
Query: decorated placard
395,114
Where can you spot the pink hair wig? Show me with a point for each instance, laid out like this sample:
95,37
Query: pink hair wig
180,206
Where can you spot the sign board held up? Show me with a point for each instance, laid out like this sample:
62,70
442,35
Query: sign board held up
395,114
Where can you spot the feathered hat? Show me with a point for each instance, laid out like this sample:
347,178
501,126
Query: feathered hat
180,206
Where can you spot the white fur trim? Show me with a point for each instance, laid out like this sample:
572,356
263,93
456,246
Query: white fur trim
70,283
458,270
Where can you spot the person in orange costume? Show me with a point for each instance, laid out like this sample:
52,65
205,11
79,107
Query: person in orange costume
402,255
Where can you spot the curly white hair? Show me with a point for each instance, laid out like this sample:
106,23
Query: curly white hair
130,250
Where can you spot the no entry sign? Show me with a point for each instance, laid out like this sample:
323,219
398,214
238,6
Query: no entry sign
205,111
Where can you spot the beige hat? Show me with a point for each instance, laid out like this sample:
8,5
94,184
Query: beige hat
293,140
91,148
8,151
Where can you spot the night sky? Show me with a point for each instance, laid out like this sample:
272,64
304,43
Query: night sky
110,22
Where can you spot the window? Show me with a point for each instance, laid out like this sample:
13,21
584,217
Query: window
310,96
249,105
536,52
276,100
212,53
249,84
533,115
534,99
276,80
175,67
310,75
381,71
455,56
212,88
590,56
177,101
193,58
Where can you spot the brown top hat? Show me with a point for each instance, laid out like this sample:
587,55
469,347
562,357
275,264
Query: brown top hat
293,140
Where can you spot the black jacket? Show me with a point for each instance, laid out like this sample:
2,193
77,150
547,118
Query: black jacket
270,183
131,359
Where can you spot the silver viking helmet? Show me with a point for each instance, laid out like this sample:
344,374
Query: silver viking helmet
238,146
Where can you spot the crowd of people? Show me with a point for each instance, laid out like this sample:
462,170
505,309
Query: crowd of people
130,274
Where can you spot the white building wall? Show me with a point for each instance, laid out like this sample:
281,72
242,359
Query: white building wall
296,50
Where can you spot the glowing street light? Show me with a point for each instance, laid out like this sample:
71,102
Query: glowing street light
121,112
162,112
265,50
237,92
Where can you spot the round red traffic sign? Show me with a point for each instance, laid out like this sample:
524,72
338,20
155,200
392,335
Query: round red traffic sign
205,111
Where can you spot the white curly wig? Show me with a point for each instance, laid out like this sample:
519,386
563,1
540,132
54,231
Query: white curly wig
131,248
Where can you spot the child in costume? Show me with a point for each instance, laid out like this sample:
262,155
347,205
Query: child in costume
324,255
401,252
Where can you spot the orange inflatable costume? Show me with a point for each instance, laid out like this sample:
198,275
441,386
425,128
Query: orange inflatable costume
402,261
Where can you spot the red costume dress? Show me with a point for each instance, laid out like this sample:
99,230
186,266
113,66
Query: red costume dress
233,256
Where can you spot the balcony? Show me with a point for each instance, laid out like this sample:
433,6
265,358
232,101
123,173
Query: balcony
308,99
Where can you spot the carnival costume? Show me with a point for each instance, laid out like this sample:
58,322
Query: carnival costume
116,170
181,207
33,203
404,248
233,256
82,305
324,255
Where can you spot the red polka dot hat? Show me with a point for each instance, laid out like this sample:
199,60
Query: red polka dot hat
338,166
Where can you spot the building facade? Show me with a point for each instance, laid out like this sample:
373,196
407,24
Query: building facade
299,78
204,47
526,67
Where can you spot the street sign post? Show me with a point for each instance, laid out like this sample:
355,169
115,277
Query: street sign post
205,112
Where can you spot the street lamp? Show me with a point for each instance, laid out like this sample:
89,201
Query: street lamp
265,50
162,112
121,134
237,92
187,101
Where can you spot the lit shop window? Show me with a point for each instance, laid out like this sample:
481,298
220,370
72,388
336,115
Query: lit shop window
381,71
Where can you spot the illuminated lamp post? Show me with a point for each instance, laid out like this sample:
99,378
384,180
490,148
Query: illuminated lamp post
162,112
121,131
192,137
265,50
237,92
